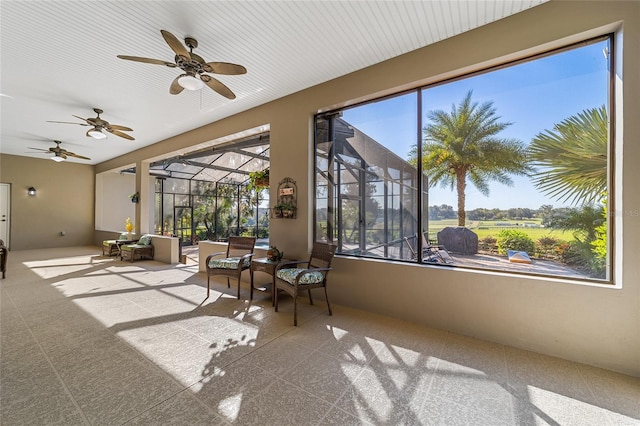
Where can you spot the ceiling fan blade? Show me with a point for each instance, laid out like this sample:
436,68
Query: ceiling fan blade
175,88
118,127
147,60
84,119
71,154
224,68
175,44
68,122
39,149
121,134
217,86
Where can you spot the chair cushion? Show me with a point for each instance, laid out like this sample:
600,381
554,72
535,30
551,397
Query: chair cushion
145,240
108,242
228,263
289,275
129,247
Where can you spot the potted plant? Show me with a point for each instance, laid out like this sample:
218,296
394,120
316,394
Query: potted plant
135,197
277,210
259,180
273,254
288,210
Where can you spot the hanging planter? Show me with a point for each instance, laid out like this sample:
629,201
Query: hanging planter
135,197
286,205
285,210
259,180
277,211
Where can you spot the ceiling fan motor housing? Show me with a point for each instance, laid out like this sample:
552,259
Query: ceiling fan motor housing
191,42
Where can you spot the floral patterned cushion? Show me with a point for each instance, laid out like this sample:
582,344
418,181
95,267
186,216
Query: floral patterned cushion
228,263
145,240
289,275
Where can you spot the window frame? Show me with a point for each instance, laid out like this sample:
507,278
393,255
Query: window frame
613,64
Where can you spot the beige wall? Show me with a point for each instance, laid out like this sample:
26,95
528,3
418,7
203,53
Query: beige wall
64,202
166,249
597,325
113,205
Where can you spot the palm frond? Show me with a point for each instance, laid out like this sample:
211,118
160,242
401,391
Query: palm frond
570,161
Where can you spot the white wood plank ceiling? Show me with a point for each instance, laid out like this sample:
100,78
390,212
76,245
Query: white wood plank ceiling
58,59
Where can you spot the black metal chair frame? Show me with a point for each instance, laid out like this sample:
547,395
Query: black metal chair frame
320,261
4,253
430,253
237,247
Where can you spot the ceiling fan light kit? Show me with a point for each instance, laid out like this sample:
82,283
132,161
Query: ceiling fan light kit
57,158
189,82
97,134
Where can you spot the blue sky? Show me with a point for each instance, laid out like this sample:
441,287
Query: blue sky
533,96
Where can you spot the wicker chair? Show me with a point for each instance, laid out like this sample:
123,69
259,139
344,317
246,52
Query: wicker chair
308,274
236,259
112,247
142,249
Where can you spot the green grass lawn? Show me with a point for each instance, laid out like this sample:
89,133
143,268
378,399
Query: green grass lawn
485,228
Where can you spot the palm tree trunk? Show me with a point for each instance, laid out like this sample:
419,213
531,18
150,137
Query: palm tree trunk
461,185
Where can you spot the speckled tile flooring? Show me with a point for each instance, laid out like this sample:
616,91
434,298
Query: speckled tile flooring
87,339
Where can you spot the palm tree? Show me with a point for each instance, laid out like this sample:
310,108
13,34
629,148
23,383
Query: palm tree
464,144
571,159
571,165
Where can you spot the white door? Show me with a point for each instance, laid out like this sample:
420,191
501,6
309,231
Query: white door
5,200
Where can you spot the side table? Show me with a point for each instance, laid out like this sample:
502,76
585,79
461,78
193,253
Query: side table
262,264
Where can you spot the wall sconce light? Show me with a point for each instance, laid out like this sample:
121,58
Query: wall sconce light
31,191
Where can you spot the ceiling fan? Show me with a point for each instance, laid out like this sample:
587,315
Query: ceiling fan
193,66
60,154
100,127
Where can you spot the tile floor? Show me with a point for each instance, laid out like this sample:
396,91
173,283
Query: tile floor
87,339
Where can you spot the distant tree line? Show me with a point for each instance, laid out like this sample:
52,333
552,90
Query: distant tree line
496,214
551,217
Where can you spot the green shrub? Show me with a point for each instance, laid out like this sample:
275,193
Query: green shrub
545,246
488,244
565,252
203,234
512,239
599,246
577,254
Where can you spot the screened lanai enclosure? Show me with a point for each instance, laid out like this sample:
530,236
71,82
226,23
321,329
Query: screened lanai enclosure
366,195
206,194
